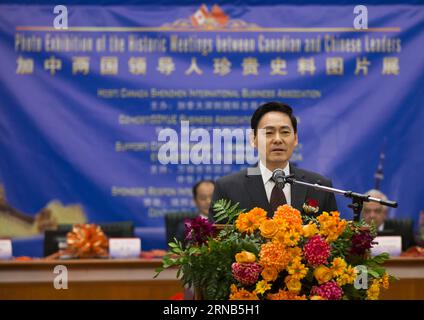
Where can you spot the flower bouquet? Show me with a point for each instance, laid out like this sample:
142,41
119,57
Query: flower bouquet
288,256
85,241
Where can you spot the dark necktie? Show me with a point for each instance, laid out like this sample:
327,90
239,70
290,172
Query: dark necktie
277,198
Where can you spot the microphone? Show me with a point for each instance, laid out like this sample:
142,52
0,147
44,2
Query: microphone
279,177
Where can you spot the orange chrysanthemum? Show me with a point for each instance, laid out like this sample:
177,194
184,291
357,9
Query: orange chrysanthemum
285,295
241,294
250,221
290,215
274,255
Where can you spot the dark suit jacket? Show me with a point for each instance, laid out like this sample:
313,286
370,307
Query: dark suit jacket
249,191
400,227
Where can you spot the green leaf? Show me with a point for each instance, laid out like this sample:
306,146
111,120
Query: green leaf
173,245
373,273
158,271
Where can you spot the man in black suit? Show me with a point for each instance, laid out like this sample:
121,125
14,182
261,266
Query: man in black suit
275,137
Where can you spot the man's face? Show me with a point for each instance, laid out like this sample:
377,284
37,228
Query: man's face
204,197
374,212
275,139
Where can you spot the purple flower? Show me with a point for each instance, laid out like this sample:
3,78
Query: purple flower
198,230
361,242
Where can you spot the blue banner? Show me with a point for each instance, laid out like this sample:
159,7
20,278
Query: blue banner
82,108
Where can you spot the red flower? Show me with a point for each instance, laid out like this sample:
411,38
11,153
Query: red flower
316,251
361,242
246,273
329,291
312,203
177,296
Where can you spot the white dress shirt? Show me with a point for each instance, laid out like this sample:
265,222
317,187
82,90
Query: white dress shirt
269,184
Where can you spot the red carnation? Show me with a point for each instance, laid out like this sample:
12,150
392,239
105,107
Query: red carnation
329,290
316,250
246,273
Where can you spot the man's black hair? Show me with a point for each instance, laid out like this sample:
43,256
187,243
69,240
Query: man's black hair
272,106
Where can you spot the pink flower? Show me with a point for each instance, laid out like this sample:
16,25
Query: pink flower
329,290
246,273
316,251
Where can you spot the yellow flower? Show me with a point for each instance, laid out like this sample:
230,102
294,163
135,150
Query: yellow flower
293,284
310,230
374,290
331,226
245,257
295,253
323,274
233,288
297,269
280,237
262,286
348,276
385,281
317,298
269,274
288,237
338,266
268,228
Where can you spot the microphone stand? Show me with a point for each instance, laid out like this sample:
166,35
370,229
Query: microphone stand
358,199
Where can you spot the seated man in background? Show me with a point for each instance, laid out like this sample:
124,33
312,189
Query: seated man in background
376,212
202,197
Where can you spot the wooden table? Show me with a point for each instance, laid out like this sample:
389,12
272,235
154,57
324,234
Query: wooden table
133,279
87,279
410,272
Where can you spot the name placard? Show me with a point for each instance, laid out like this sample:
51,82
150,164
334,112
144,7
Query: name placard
124,247
5,249
389,244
